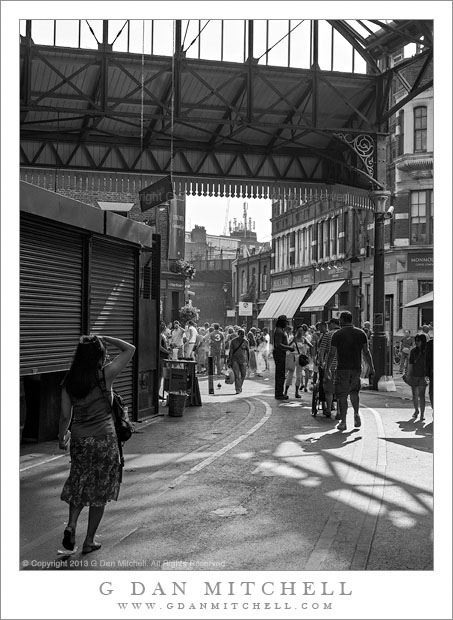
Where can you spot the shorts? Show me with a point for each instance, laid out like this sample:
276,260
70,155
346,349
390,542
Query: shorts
346,381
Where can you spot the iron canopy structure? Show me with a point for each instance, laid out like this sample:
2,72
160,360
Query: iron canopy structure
225,125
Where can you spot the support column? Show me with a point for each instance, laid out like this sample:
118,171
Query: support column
379,340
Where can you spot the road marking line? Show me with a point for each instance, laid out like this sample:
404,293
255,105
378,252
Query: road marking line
54,458
226,448
366,535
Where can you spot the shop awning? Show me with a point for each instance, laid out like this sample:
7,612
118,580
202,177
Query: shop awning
291,301
321,295
270,310
425,301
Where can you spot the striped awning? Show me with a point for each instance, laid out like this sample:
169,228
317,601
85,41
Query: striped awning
270,310
321,295
291,301
425,301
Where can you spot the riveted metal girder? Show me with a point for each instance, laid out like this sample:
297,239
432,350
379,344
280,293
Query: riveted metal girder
115,111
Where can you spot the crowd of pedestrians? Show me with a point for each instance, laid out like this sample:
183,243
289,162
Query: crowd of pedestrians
334,356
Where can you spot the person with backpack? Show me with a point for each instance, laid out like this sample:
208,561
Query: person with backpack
239,358
94,477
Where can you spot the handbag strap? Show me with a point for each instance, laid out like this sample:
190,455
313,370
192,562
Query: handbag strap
101,379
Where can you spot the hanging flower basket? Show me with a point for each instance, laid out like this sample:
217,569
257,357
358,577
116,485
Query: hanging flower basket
184,268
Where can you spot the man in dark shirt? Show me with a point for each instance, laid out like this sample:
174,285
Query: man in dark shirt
348,343
281,346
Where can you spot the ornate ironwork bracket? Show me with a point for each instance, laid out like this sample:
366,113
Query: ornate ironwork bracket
364,146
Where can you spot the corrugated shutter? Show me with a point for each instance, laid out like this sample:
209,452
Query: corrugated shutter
112,307
50,296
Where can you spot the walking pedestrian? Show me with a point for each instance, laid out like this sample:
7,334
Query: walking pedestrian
281,347
191,339
265,347
94,477
164,354
348,343
416,373
300,344
323,355
239,358
407,342
216,348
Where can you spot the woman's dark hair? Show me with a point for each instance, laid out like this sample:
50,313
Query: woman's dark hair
241,333
281,323
82,376
421,338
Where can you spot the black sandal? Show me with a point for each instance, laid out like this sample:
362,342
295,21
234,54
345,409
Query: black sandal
69,538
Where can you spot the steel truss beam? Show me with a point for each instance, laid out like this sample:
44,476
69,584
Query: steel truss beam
193,117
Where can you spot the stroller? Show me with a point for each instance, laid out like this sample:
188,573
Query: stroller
318,401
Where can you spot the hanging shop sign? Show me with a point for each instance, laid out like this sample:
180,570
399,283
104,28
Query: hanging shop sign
177,225
156,194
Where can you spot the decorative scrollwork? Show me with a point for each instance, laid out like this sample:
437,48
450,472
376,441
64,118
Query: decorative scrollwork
362,144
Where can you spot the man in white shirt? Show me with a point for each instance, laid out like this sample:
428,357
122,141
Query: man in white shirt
191,338
177,338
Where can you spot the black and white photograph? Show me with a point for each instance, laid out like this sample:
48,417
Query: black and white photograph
222,278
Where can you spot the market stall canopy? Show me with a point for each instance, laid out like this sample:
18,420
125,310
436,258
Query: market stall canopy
425,301
321,295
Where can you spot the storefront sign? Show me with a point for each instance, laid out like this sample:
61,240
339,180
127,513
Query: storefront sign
245,308
420,262
174,284
278,283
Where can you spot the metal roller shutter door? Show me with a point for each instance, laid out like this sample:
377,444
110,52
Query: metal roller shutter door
50,296
112,308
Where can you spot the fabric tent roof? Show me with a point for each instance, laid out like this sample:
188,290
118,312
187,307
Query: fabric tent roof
271,307
422,302
321,295
291,301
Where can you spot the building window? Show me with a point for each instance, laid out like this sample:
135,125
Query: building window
420,129
326,239
320,240
264,279
243,282
421,217
333,236
400,304
424,287
401,135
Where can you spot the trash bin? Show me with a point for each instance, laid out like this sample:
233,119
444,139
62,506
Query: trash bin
176,404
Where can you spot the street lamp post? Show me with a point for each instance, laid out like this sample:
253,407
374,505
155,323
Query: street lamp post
379,339
225,291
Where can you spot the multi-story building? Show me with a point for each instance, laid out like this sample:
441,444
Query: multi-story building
323,252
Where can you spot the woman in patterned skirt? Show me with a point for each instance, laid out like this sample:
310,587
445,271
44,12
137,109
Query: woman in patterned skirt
94,477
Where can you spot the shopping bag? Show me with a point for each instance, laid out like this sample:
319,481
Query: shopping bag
229,377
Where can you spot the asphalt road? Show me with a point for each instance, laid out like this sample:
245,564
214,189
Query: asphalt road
250,483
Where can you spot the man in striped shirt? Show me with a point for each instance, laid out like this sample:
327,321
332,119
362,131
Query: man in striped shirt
323,354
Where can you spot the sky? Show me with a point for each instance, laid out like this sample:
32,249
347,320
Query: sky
212,212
